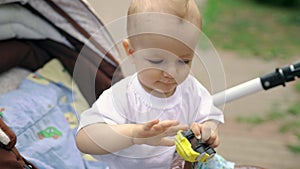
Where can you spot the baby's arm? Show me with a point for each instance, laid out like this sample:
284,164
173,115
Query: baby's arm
102,138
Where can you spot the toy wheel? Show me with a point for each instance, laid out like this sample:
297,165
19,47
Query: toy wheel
41,137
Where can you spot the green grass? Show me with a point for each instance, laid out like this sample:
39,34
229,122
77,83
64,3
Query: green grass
298,87
295,148
250,120
294,109
292,126
253,29
290,119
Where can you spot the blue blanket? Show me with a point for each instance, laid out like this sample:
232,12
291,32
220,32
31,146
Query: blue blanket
42,114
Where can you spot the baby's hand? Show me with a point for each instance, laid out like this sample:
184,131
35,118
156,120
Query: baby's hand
208,131
155,132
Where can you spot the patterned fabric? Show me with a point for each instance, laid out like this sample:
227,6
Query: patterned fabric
248,167
41,113
177,162
216,162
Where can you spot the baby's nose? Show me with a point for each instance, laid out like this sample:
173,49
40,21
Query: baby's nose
170,71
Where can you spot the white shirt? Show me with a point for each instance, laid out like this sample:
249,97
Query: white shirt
128,102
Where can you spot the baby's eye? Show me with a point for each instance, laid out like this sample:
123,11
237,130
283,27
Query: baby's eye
184,61
155,61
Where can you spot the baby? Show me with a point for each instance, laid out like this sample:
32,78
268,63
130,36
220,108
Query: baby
134,122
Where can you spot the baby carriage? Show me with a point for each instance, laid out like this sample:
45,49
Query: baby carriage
46,37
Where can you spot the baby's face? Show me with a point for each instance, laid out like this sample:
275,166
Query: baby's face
162,63
163,46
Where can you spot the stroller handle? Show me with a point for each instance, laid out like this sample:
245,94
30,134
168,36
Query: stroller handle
270,80
280,76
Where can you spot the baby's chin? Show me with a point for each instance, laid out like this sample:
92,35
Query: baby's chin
163,93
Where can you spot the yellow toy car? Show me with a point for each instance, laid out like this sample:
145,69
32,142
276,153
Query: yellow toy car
192,149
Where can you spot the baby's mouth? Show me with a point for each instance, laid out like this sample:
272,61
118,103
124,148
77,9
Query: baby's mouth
168,81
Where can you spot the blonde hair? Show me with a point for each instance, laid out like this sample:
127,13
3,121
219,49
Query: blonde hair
185,9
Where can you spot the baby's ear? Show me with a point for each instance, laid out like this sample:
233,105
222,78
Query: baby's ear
127,47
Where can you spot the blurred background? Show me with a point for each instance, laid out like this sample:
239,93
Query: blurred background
252,37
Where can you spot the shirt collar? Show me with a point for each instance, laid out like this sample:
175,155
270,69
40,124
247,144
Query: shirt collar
153,101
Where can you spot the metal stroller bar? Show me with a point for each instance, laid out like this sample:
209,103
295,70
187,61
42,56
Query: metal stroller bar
270,80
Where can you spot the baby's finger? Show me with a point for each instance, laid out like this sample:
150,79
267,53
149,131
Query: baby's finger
150,124
196,128
216,143
206,132
166,142
212,139
164,125
169,123
172,131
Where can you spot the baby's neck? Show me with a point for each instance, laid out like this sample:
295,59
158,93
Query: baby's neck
156,92
161,94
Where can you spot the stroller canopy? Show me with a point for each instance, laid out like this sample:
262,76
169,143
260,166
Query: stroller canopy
61,29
